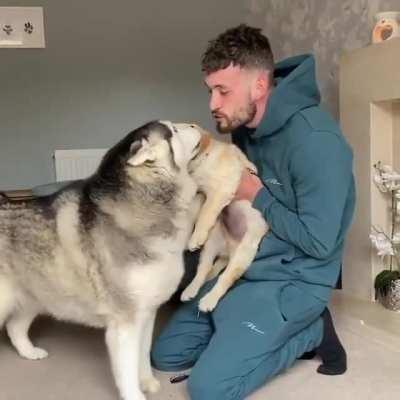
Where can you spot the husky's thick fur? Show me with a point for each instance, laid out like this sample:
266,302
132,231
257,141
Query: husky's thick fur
104,252
230,230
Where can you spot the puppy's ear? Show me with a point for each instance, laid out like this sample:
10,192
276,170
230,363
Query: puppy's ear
141,152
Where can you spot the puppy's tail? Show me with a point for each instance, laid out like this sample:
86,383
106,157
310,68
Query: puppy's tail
7,299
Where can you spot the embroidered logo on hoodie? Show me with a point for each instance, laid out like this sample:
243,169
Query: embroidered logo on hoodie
272,181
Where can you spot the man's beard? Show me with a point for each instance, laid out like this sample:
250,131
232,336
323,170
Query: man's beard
240,118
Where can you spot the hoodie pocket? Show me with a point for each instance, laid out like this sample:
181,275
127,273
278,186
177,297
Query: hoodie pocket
296,305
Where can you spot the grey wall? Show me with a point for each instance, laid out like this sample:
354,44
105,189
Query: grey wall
108,67
325,28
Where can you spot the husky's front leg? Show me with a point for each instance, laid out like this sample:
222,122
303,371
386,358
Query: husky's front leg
123,341
148,382
17,329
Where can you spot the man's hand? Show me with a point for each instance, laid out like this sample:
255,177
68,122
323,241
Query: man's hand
249,186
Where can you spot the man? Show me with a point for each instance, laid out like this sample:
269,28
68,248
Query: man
277,312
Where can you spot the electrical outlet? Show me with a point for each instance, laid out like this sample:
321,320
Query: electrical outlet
21,27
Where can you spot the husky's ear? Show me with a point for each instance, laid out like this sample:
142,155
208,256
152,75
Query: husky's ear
142,152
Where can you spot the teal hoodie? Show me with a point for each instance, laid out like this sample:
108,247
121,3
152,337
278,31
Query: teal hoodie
308,196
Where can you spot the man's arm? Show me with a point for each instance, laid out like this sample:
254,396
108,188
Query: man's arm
321,171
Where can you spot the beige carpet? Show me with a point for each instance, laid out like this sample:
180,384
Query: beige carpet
78,367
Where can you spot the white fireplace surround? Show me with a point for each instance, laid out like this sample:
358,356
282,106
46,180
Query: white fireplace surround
370,119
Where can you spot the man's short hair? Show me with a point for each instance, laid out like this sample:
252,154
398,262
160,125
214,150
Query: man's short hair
243,45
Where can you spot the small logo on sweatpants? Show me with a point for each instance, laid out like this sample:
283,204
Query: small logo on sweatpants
252,326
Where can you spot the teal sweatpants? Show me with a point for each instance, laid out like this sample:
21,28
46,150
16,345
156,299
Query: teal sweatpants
258,329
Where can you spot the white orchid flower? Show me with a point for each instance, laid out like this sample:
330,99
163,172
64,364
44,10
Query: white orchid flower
396,238
382,243
385,178
379,182
386,168
391,176
391,180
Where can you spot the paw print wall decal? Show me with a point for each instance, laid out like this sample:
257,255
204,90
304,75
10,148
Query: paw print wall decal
21,27
8,29
28,27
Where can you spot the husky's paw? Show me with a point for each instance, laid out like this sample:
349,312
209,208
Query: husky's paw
135,396
150,384
208,302
34,353
190,292
197,240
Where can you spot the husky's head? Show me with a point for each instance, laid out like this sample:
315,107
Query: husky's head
158,149
166,145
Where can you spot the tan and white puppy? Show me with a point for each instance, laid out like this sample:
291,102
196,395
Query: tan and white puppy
229,229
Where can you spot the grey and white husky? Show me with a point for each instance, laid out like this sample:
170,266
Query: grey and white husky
104,252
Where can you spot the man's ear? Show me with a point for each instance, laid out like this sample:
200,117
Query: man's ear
142,152
261,85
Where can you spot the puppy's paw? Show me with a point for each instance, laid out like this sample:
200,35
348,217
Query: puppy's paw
197,240
208,302
34,353
252,168
190,292
150,384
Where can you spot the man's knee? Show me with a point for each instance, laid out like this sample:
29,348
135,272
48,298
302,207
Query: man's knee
207,383
165,359
159,357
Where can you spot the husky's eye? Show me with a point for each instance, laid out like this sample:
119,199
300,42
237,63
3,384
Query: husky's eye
195,152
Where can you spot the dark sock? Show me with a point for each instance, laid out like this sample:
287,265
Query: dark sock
331,351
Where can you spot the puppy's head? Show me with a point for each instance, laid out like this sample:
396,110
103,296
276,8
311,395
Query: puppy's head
205,139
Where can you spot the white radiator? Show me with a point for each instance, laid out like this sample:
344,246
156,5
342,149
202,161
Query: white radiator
76,164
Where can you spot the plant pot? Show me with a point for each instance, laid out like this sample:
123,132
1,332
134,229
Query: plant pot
391,299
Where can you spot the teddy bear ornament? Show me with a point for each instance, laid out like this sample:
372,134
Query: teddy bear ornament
387,26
